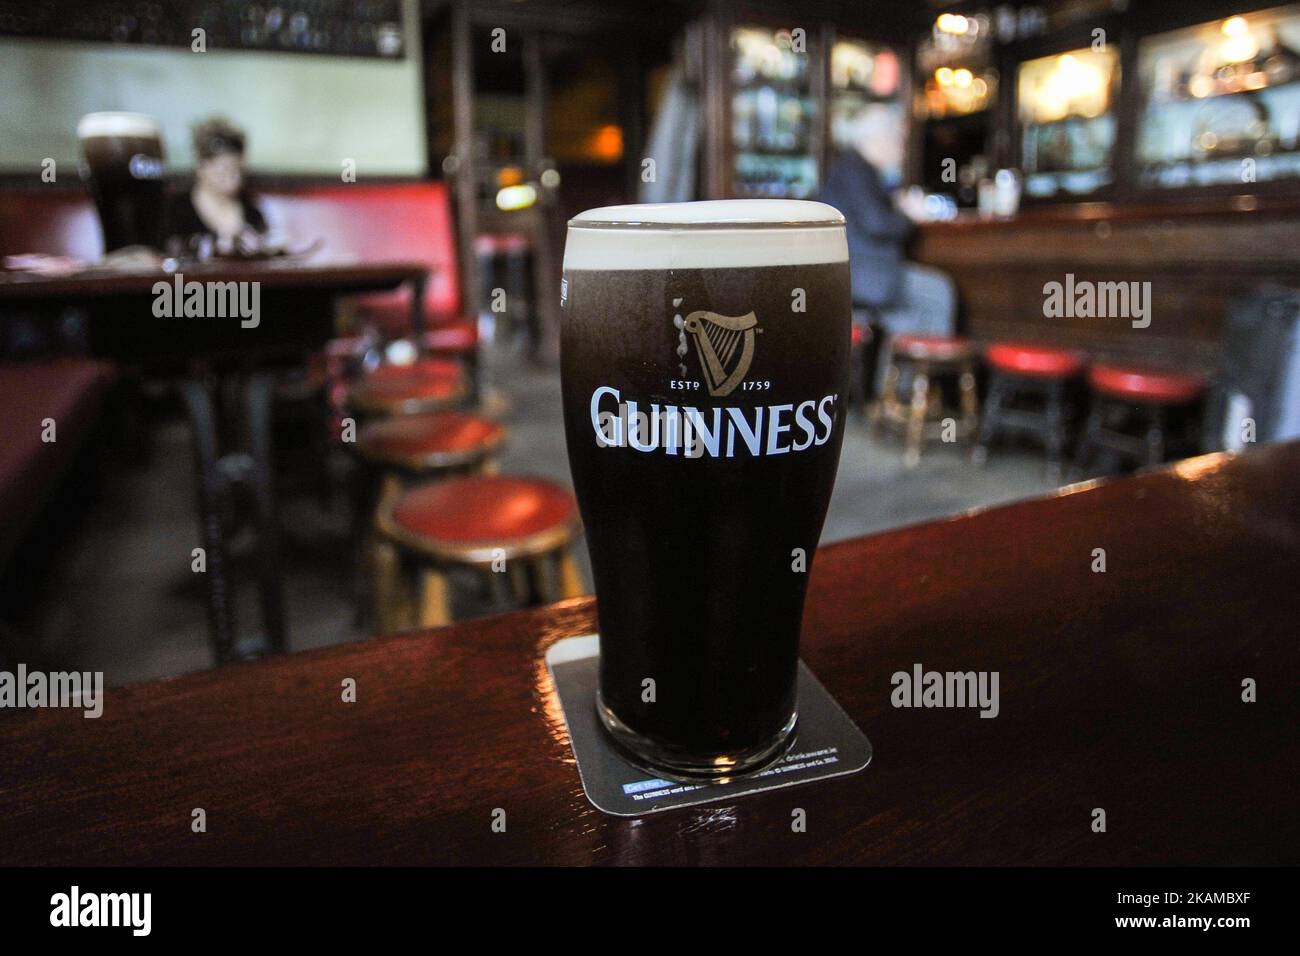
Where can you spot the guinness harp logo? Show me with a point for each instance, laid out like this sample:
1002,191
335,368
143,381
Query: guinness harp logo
725,346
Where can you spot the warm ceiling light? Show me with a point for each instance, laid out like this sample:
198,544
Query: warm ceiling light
962,77
606,143
1238,44
516,197
952,23
944,76
1235,27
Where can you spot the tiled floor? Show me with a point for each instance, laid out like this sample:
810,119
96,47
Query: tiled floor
113,589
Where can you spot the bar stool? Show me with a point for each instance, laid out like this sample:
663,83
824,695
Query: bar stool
427,445
861,353
474,522
393,451
928,358
1122,393
426,385
1017,369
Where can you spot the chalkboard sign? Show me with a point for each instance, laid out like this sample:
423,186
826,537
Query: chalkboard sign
370,28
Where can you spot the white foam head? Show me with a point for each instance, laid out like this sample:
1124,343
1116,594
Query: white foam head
717,234
117,124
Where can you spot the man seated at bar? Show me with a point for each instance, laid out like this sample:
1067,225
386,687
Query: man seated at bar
902,296
218,210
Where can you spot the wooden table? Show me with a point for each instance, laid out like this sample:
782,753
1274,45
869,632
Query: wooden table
296,299
211,356
1119,690
297,274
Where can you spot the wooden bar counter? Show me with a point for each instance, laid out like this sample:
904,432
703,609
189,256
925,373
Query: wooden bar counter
1120,690
1197,256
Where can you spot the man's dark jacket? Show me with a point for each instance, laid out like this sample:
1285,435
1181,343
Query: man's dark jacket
876,228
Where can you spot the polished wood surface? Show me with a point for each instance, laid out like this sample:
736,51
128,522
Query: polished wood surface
1198,259
296,308
332,276
1119,690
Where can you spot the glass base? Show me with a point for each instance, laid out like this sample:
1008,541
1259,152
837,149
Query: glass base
673,763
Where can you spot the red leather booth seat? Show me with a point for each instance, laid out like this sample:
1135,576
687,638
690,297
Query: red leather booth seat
52,220
385,221
69,390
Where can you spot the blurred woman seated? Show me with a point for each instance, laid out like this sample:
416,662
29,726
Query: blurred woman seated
217,214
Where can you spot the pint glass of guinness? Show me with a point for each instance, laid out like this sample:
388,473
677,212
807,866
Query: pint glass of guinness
705,358
124,158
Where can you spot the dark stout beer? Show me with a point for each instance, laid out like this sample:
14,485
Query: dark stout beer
705,351
124,159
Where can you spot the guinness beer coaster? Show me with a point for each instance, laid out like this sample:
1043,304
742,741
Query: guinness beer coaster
828,744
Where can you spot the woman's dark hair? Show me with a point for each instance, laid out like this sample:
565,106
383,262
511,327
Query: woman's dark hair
217,135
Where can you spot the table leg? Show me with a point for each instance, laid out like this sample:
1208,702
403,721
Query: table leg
418,288
209,483
258,395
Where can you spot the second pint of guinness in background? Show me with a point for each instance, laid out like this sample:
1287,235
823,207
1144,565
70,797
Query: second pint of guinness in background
124,160
705,356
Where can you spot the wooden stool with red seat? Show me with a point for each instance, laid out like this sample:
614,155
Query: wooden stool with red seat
514,529
394,450
1017,369
426,385
430,442
928,358
1121,394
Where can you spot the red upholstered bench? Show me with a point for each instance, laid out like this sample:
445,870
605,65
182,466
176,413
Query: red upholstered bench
389,221
71,392
386,221
52,220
